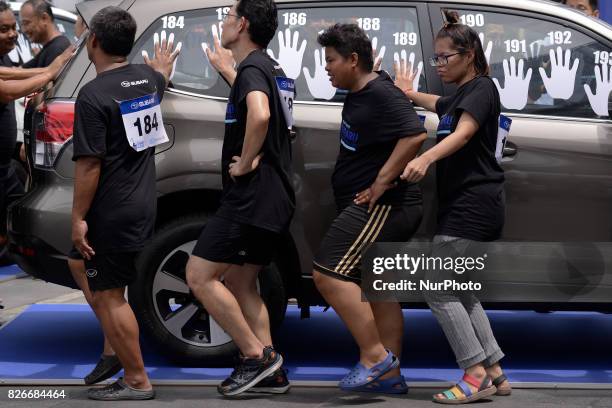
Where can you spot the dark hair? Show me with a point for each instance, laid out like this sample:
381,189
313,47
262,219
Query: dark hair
115,30
40,7
347,39
594,4
464,39
262,17
4,7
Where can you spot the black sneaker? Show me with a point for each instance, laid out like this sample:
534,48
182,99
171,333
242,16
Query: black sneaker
277,383
250,371
107,367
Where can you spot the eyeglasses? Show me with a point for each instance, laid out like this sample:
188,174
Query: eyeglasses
226,15
442,60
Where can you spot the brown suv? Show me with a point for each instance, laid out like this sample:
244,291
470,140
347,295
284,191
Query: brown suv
558,159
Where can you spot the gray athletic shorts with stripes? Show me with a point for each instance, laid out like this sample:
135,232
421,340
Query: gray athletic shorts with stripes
354,229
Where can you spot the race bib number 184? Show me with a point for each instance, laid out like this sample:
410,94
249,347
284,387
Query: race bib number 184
143,123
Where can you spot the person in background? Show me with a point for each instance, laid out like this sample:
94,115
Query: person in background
588,7
38,24
12,87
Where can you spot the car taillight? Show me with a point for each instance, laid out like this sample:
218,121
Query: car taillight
53,126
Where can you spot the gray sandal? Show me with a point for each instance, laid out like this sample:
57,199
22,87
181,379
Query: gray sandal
501,392
119,391
107,367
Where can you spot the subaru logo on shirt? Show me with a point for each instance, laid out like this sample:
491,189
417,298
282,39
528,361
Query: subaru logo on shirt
230,114
445,125
127,84
348,137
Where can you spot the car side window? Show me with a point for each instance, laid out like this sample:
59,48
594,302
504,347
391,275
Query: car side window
193,73
394,33
544,68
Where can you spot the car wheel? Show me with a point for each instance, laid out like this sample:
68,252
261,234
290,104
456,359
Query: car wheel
169,313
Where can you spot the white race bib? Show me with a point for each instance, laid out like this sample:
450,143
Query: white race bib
502,136
143,123
286,90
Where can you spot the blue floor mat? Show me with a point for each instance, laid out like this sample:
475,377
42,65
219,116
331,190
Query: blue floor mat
8,271
62,342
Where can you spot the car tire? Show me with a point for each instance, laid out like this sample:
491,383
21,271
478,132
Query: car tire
166,309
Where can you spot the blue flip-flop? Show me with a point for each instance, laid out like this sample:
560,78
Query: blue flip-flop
393,385
360,376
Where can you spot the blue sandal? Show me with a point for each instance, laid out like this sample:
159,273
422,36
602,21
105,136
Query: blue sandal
393,385
360,376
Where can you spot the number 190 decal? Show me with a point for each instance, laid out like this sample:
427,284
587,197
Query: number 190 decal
472,20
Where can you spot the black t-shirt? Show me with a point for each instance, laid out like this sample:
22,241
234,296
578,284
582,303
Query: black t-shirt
122,215
49,52
264,197
8,124
470,181
373,120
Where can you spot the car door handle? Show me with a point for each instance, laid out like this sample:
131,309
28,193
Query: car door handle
510,150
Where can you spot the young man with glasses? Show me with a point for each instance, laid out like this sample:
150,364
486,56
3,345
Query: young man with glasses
258,200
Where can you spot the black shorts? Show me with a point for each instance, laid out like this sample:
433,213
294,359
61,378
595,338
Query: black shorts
111,271
354,229
226,241
75,255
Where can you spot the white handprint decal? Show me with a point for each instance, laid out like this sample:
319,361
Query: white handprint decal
378,56
603,87
156,42
319,85
409,64
289,56
488,49
22,50
561,82
516,86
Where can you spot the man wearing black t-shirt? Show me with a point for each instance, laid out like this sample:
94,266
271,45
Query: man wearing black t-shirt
379,133
38,24
117,124
22,83
257,201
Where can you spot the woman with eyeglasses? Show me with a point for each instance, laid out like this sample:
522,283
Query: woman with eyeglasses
470,200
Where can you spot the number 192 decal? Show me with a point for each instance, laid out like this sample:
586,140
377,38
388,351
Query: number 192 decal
560,37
